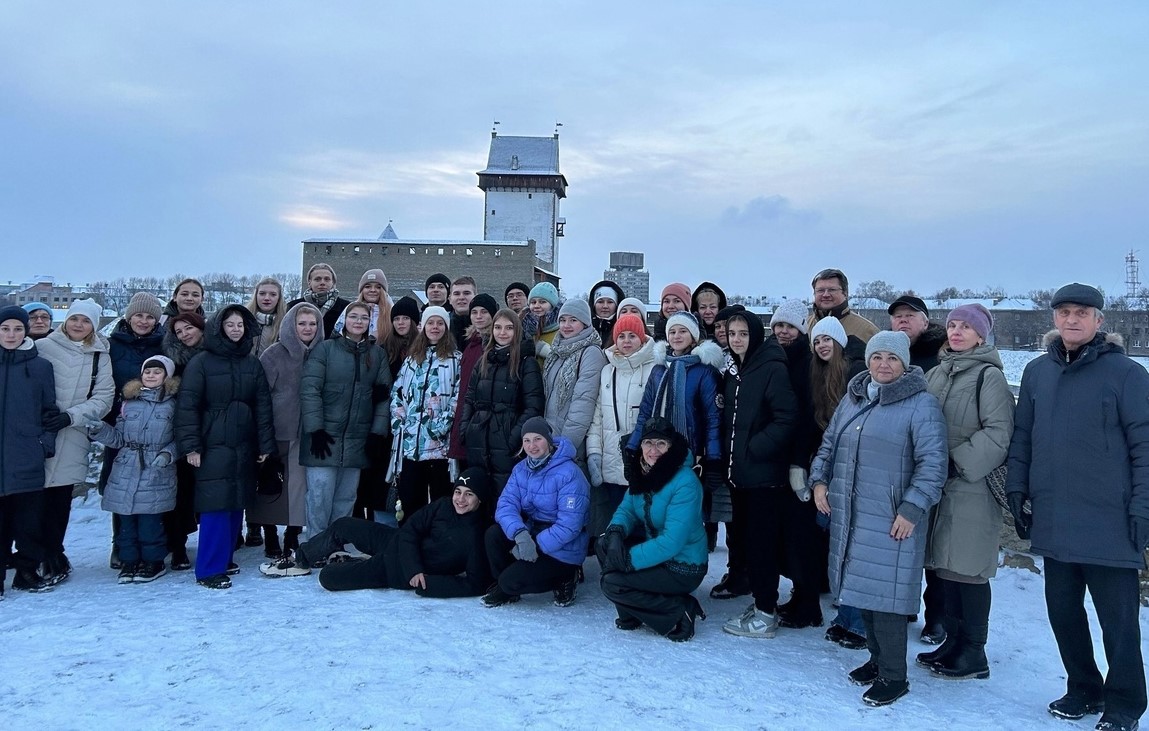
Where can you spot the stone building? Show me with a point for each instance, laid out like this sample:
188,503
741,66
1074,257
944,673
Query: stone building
626,270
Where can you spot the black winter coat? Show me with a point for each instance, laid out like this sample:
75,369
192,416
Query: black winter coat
495,409
807,438
447,548
128,352
760,417
27,397
924,353
224,414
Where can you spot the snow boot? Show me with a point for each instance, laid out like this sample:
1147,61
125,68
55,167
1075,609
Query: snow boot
969,661
884,691
949,648
271,547
864,675
564,593
1073,707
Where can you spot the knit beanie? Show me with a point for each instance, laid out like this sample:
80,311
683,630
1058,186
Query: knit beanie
687,320
194,319
792,312
538,425
832,327
486,301
679,290
974,315
373,275
442,279
408,306
162,361
516,285
436,311
888,341
33,306
12,312
143,303
86,308
630,323
577,309
476,480
546,291
636,302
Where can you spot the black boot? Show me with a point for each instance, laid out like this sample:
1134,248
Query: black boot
291,538
970,661
948,649
29,580
253,537
271,547
684,630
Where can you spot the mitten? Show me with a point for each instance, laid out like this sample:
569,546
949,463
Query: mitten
798,483
594,467
525,548
163,459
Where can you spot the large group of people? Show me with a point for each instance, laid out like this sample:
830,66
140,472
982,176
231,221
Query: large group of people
465,447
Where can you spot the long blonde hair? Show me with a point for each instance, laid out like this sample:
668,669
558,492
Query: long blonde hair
253,303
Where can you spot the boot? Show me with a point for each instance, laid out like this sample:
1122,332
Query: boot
291,538
29,580
949,648
970,660
271,548
253,537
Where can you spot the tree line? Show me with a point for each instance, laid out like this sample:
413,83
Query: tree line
220,288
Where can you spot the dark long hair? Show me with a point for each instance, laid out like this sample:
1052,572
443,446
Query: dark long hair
828,381
515,346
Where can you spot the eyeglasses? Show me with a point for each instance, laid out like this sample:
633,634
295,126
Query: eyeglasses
358,318
659,444
827,290
41,315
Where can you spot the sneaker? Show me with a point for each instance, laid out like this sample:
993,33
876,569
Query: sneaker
232,568
285,566
853,641
731,586
180,560
627,624
565,593
219,581
1110,723
883,692
343,557
753,623
128,573
150,571
496,597
1073,707
865,675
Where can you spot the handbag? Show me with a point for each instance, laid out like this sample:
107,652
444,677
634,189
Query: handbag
269,480
995,480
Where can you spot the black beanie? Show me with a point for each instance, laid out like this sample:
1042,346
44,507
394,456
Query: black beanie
442,279
516,285
408,306
725,313
476,480
486,301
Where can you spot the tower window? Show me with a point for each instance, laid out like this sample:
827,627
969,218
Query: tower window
492,211
470,252
355,249
498,252
328,249
440,252
412,250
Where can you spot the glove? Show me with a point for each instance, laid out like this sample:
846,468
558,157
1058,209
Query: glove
163,459
93,426
629,464
713,474
594,467
1021,522
1139,532
615,554
57,422
525,548
321,443
798,483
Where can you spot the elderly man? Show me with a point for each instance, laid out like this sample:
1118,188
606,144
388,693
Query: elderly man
1080,454
831,290
910,315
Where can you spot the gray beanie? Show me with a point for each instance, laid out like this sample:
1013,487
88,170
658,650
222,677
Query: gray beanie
539,425
143,303
578,309
792,312
888,341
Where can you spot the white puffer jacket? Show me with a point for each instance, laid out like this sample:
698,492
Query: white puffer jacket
621,386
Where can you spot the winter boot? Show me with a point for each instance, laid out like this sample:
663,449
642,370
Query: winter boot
1072,706
948,649
970,660
30,581
271,547
253,536
884,691
864,675
148,571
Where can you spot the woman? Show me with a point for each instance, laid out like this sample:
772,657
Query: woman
268,306
653,553
622,383
604,299
540,539
30,417
675,298
224,426
879,470
481,314
373,293
84,392
633,306
182,342
506,390
300,331
39,320
184,339
706,302
422,411
343,399
405,317
571,376
541,321
187,297
963,541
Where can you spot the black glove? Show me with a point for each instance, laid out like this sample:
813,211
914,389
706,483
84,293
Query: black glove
1021,522
616,555
321,443
629,465
1139,532
713,474
57,421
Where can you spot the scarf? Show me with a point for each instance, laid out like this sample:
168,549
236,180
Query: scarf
672,392
566,355
536,464
265,318
323,300
532,328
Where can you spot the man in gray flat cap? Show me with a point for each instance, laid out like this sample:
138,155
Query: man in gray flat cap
1080,455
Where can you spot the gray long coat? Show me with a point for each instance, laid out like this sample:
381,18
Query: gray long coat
143,429
966,527
571,418
890,460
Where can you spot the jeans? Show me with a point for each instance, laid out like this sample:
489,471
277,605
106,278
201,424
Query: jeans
850,618
331,495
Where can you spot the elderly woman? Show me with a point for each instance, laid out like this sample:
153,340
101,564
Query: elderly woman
879,470
653,553
964,536
39,320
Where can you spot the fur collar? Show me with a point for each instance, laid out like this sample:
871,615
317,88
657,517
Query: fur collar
135,389
663,471
914,381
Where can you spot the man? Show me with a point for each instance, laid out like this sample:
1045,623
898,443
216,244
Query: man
463,290
515,296
437,287
910,315
831,290
1080,454
322,293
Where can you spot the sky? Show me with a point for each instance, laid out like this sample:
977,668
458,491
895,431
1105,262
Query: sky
926,145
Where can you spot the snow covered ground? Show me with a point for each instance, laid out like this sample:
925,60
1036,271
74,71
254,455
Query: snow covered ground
285,654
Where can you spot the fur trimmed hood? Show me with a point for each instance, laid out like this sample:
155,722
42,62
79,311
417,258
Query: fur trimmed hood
135,388
1053,336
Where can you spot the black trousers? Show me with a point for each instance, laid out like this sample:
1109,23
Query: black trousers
422,482
180,521
657,597
523,577
21,516
800,536
886,641
758,514
1117,600
54,524
368,537
934,598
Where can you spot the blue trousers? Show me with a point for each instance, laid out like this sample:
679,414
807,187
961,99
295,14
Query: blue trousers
331,495
141,538
851,619
217,532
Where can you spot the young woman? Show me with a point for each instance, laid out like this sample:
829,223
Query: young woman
675,298
224,426
541,321
571,376
506,390
880,469
604,299
344,398
373,293
423,404
300,331
964,536
478,334
187,297
182,342
84,392
405,318
268,306
653,554
183,339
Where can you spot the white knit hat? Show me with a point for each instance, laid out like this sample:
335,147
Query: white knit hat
831,326
436,311
687,320
86,308
792,312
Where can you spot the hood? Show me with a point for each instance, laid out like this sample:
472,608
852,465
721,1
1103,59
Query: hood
951,362
930,341
287,336
709,353
135,390
177,351
605,283
215,342
912,382
757,336
707,285
649,352
99,342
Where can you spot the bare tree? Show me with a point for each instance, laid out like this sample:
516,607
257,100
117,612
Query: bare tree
876,289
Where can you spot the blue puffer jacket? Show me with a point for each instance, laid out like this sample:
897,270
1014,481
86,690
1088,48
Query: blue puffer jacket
551,503
664,508
881,459
703,418
27,396
144,429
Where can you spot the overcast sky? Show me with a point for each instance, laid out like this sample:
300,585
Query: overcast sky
927,145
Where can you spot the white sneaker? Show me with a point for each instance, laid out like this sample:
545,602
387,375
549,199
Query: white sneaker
753,623
285,566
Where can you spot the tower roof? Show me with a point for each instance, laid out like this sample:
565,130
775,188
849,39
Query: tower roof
523,156
388,233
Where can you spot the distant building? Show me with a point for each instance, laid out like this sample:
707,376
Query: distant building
521,227
45,290
626,270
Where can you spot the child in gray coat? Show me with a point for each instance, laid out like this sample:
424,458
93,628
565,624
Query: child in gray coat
142,485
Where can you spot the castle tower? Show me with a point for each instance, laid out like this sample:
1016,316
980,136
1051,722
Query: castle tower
522,186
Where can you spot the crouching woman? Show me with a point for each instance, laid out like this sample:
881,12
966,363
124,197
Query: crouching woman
654,552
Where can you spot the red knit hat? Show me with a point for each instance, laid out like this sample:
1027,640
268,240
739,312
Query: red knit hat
630,323
679,290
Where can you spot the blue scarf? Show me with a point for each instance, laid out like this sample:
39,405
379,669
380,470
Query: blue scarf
671,399
536,464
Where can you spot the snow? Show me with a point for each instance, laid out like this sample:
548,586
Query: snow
284,653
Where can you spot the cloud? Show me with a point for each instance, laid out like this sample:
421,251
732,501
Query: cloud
314,218
768,210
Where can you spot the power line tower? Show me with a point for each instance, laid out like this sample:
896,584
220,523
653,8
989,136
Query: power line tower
1132,276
